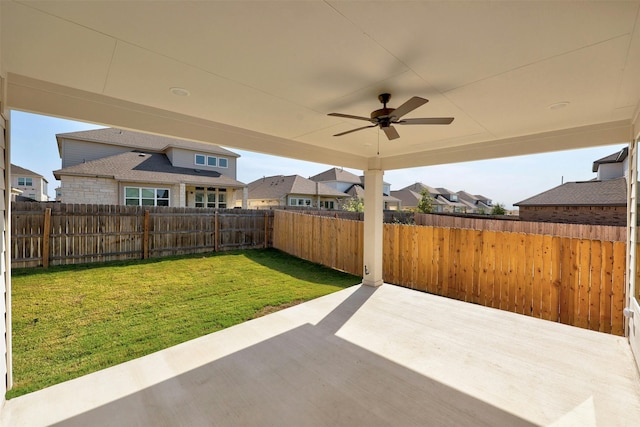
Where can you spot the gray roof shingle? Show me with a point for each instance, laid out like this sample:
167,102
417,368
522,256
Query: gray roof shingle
278,186
409,198
611,192
336,174
18,170
134,166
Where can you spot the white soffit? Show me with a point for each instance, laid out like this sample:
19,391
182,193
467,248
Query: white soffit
277,68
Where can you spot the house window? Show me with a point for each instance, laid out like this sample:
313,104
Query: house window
454,198
25,181
211,197
327,204
298,201
211,161
138,196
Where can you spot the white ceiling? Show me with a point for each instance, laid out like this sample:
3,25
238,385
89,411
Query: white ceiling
264,74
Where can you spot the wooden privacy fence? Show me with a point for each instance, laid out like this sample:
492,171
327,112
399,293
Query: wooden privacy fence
336,243
578,282
581,231
54,234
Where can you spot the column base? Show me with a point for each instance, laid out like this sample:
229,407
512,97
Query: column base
372,283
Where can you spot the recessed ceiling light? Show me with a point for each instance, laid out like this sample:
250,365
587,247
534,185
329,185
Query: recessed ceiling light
178,91
558,105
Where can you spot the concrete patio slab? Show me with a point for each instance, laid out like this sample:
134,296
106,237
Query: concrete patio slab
361,356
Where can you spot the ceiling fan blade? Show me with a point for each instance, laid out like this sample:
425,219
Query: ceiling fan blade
426,121
391,132
349,116
409,106
354,130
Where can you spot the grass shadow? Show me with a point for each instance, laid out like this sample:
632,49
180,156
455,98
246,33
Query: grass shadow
299,268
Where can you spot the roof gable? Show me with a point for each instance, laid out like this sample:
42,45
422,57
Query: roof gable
418,187
19,170
336,174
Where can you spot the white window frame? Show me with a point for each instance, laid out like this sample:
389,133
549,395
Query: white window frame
25,179
300,201
211,161
220,197
140,197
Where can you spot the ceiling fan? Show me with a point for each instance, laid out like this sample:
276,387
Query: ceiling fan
385,117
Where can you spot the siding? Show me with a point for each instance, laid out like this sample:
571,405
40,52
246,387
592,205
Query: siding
37,188
186,159
76,152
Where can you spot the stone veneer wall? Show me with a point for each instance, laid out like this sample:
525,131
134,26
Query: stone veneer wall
89,190
595,215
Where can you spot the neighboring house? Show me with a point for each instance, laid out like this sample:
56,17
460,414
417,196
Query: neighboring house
476,204
353,185
443,200
411,195
451,203
601,201
292,190
120,167
29,184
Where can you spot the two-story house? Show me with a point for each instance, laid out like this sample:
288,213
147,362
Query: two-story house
121,167
29,184
353,185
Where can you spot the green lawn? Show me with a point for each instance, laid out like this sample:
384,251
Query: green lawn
70,321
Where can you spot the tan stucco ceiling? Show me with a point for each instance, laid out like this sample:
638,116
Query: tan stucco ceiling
264,74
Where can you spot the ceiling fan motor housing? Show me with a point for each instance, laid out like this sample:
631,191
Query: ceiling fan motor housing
382,116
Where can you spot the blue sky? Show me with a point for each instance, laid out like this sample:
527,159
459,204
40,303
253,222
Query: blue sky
506,181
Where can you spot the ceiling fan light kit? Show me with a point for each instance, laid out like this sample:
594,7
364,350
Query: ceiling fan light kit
385,117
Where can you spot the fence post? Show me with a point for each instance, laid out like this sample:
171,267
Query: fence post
266,230
216,231
145,239
46,231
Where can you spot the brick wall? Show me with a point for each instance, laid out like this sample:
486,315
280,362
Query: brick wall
596,215
87,190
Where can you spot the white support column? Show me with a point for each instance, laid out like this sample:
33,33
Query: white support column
245,197
373,220
182,189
